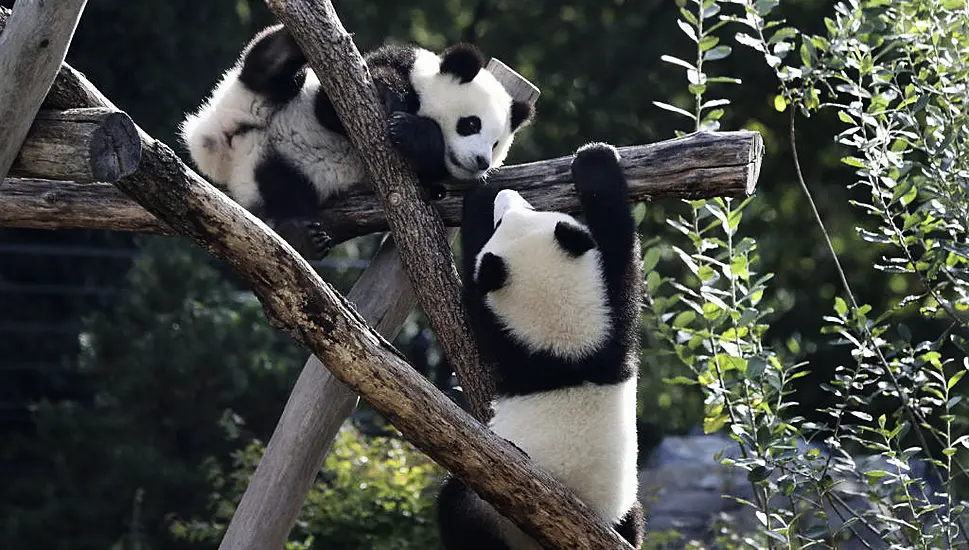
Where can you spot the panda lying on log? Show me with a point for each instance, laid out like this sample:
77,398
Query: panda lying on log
554,304
270,135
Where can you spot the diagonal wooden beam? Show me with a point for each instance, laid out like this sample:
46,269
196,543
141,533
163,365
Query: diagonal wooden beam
31,52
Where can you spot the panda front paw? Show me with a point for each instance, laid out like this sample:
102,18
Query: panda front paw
417,137
320,240
595,163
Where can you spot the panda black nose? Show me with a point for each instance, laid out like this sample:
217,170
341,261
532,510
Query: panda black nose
483,162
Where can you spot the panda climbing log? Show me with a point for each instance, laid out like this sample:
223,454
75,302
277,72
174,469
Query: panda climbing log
554,304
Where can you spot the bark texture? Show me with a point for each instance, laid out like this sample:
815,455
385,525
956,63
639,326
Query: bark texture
80,145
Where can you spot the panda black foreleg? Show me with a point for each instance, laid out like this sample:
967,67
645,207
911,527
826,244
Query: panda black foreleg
421,140
604,194
273,65
631,527
465,521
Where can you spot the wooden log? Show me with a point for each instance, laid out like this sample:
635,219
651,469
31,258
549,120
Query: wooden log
31,53
314,412
80,145
417,229
301,304
47,204
697,166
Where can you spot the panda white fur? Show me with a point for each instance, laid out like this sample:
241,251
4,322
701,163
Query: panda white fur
269,134
554,305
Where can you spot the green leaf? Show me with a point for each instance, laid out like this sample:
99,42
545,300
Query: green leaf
852,161
674,109
650,259
687,30
677,61
708,42
720,52
684,319
780,104
756,367
711,425
840,306
955,379
758,474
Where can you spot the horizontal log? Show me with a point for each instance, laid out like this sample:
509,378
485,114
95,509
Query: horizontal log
702,165
47,204
80,145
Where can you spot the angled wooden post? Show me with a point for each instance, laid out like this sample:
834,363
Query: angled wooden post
31,52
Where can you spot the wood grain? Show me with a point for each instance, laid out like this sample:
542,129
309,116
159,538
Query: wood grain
80,145
697,166
31,53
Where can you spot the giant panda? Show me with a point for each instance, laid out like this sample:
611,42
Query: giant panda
269,134
554,303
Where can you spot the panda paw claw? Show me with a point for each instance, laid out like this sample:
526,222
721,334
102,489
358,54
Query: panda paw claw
401,126
319,238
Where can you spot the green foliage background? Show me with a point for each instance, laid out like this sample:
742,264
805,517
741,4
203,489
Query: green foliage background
181,373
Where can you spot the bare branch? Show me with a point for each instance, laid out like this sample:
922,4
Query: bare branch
31,52
698,166
82,145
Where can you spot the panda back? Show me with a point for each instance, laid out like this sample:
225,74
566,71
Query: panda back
584,436
327,158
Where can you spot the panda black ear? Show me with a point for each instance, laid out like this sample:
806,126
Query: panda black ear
521,112
463,61
574,239
492,273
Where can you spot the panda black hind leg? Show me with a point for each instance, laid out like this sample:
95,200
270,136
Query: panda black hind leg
273,65
465,521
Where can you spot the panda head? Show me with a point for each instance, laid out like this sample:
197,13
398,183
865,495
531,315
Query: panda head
476,114
540,275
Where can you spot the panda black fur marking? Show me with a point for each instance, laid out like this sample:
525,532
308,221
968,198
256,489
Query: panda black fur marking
554,304
269,134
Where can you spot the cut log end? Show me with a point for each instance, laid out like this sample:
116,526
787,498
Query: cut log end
115,148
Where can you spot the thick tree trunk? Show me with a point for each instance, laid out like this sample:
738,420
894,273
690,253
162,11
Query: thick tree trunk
31,52
80,145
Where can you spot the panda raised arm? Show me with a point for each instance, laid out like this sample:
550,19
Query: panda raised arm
269,134
553,303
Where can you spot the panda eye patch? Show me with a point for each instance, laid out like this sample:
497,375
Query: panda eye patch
469,125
